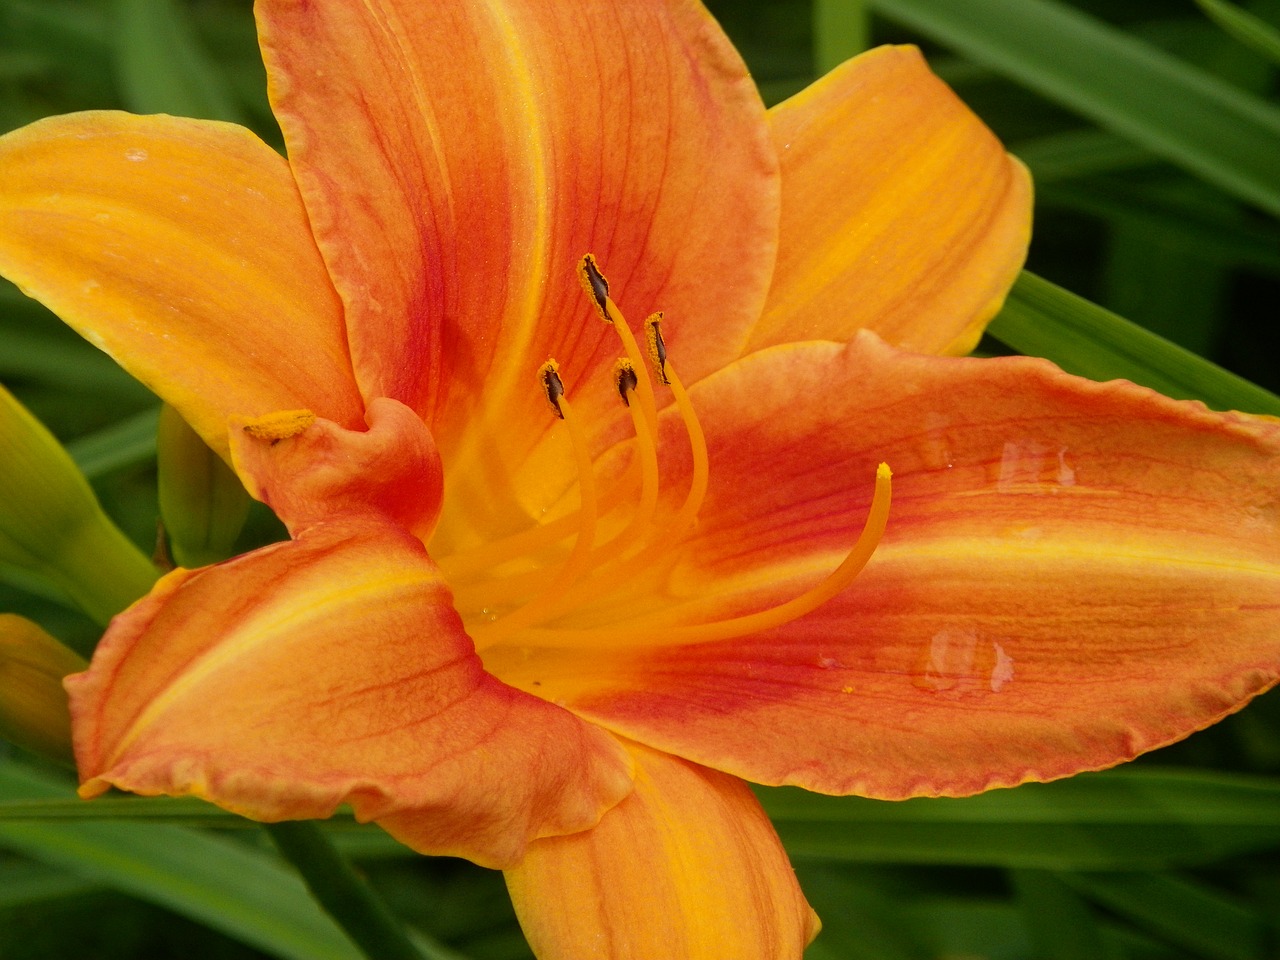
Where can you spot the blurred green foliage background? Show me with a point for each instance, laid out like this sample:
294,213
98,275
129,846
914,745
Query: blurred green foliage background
1154,136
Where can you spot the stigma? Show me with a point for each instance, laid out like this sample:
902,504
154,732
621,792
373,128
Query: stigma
572,581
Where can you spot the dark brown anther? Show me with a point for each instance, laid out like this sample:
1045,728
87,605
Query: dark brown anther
552,385
595,284
625,379
657,346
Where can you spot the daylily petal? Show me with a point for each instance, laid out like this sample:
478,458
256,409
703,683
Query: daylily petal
181,248
1073,573
482,150
687,866
328,670
320,471
901,212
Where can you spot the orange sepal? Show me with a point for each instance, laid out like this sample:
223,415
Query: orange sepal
901,212
327,670
1073,573
181,248
687,866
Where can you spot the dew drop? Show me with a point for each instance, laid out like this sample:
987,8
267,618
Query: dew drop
935,449
1030,466
949,660
1002,671
136,154
958,662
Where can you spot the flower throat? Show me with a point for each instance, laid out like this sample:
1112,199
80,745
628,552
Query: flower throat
537,601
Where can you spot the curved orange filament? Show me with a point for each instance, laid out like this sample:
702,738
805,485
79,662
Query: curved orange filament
647,453
580,556
591,573
660,630
701,473
465,564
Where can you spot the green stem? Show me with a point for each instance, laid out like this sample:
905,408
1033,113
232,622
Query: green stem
346,896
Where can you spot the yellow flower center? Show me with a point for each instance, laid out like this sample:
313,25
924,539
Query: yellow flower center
526,585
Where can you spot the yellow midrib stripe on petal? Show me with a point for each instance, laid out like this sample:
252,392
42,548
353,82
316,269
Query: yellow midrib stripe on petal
518,317
255,631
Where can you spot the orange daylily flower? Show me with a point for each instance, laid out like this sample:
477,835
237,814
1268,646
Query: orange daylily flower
522,622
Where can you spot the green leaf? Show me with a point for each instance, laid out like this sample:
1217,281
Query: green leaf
162,67
31,355
1182,911
1060,923
1078,153
1119,820
1250,30
217,882
131,441
1176,110
23,884
860,920
840,30
1212,234
968,926
1043,320
185,810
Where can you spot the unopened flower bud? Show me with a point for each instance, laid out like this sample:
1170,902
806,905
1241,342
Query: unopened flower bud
202,502
33,705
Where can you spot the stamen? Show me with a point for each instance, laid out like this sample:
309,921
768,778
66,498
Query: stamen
625,380
580,556
663,628
642,544
647,449
597,286
552,385
657,348
697,438
464,565
488,591
461,566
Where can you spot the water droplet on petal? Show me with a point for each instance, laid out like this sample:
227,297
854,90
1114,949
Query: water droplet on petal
958,662
1002,672
935,448
1028,466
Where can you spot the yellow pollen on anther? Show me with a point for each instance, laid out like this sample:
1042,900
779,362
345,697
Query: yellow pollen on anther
280,425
